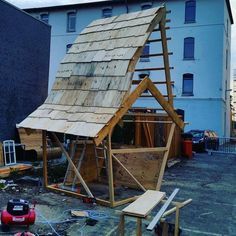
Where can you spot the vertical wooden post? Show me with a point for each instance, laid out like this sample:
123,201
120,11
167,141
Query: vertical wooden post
110,171
139,227
177,220
137,131
45,164
163,165
122,225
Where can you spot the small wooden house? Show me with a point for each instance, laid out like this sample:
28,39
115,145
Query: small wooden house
93,96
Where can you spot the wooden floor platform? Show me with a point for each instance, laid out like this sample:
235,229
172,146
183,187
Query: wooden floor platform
5,171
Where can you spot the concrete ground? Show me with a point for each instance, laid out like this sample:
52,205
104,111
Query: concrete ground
208,180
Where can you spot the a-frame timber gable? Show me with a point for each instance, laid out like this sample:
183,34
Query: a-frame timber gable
92,94
145,84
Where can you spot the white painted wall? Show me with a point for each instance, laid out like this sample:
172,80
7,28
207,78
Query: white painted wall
207,108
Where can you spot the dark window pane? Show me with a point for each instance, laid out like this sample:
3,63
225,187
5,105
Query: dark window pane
189,48
187,84
146,6
71,21
145,53
190,11
107,12
68,46
44,18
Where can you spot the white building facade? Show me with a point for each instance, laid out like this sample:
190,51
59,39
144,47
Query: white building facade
200,33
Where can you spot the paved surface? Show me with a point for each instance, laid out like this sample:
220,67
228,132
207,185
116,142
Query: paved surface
209,180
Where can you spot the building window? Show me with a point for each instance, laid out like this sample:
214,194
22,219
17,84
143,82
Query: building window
146,6
44,17
107,12
68,46
145,54
189,48
71,21
190,11
187,89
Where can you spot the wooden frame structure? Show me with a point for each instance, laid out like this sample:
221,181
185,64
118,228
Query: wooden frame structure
91,93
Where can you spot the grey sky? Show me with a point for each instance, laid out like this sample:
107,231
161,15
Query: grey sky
41,3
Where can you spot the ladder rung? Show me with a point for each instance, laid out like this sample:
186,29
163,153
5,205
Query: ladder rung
154,82
158,29
146,69
154,55
157,40
150,96
101,157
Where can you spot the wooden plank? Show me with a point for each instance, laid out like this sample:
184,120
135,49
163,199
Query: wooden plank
129,173
74,194
110,171
108,45
144,204
152,68
166,59
166,106
73,166
164,161
162,210
123,33
119,25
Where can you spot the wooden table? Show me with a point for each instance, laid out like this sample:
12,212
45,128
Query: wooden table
141,208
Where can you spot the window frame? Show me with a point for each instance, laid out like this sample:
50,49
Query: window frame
189,48
68,46
187,77
146,6
188,18
106,9
44,14
71,15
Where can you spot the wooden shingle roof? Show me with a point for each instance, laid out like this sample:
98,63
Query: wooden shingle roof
95,76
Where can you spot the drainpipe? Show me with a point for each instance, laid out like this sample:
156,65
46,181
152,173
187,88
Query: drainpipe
126,5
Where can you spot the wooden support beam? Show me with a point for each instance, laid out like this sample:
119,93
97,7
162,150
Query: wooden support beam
166,106
154,82
45,161
157,40
110,171
151,96
153,68
129,173
119,114
74,194
73,166
138,150
166,59
172,210
125,201
148,135
158,29
154,55
148,121
164,161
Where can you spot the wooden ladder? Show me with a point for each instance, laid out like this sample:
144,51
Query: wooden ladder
100,168
77,161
